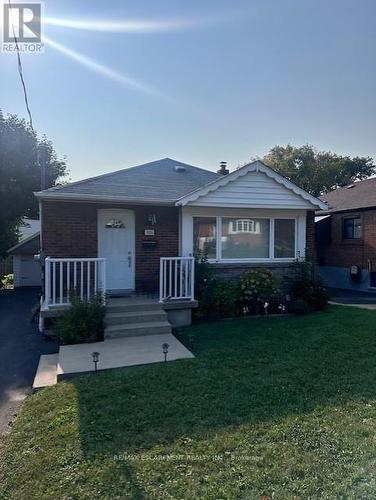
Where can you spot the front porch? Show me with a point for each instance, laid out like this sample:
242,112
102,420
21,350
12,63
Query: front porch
87,277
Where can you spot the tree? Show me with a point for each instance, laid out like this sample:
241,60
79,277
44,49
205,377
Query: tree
318,171
21,155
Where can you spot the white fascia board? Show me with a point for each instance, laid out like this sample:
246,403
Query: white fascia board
256,166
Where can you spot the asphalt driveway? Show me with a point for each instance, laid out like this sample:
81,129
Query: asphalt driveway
20,348
348,297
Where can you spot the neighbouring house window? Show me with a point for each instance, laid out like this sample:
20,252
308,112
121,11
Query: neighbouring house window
204,236
244,226
245,238
352,228
115,224
284,238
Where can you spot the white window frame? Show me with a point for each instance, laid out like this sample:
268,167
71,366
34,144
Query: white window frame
271,257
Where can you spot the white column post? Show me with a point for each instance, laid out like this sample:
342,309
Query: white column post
47,280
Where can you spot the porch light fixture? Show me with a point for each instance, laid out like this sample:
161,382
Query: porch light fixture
152,219
95,356
165,350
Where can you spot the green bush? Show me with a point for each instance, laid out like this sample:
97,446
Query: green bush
312,292
7,281
225,298
257,287
83,322
300,307
307,287
204,283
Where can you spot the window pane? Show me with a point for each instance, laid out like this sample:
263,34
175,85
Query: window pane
357,228
352,228
204,236
284,238
348,228
115,224
245,238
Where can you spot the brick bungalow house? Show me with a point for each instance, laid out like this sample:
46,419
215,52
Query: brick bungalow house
136,230
346,237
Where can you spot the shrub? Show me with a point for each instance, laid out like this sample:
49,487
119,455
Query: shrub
83,322
7,281
203,285
257,287
311,292
300,307
309,289
225,298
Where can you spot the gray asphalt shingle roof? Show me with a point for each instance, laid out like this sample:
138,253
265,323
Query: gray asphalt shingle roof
361,194
157,180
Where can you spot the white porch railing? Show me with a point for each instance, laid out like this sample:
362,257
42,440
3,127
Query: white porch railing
86,277
176,280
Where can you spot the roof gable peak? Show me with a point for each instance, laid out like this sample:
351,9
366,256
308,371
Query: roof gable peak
255,166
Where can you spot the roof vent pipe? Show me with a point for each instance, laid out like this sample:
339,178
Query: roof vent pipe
223,170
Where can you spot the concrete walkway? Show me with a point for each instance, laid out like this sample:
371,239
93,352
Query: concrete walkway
371,307
354,298
113,353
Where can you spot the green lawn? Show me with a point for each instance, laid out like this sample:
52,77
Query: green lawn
272,406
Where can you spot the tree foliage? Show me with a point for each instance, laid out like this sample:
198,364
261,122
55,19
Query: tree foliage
21,156
318,171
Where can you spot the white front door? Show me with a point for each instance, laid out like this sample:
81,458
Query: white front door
116,241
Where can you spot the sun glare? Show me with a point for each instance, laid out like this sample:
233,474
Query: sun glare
105,70
129,26
115,26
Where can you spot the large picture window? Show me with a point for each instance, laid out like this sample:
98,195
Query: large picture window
243,238
249,240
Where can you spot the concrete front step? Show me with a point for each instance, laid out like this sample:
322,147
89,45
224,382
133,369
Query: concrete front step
132,305
126,318
137,329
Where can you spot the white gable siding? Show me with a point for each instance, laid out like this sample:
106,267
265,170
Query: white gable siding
254,189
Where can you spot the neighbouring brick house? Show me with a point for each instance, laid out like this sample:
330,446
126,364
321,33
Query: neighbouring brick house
137,229
346,237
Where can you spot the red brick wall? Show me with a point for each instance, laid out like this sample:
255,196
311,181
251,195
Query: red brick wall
310,236
345,253
69,229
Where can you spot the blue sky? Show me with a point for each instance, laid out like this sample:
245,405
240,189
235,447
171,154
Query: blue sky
231,81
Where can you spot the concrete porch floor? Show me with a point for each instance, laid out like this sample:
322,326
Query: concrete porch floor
114,353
